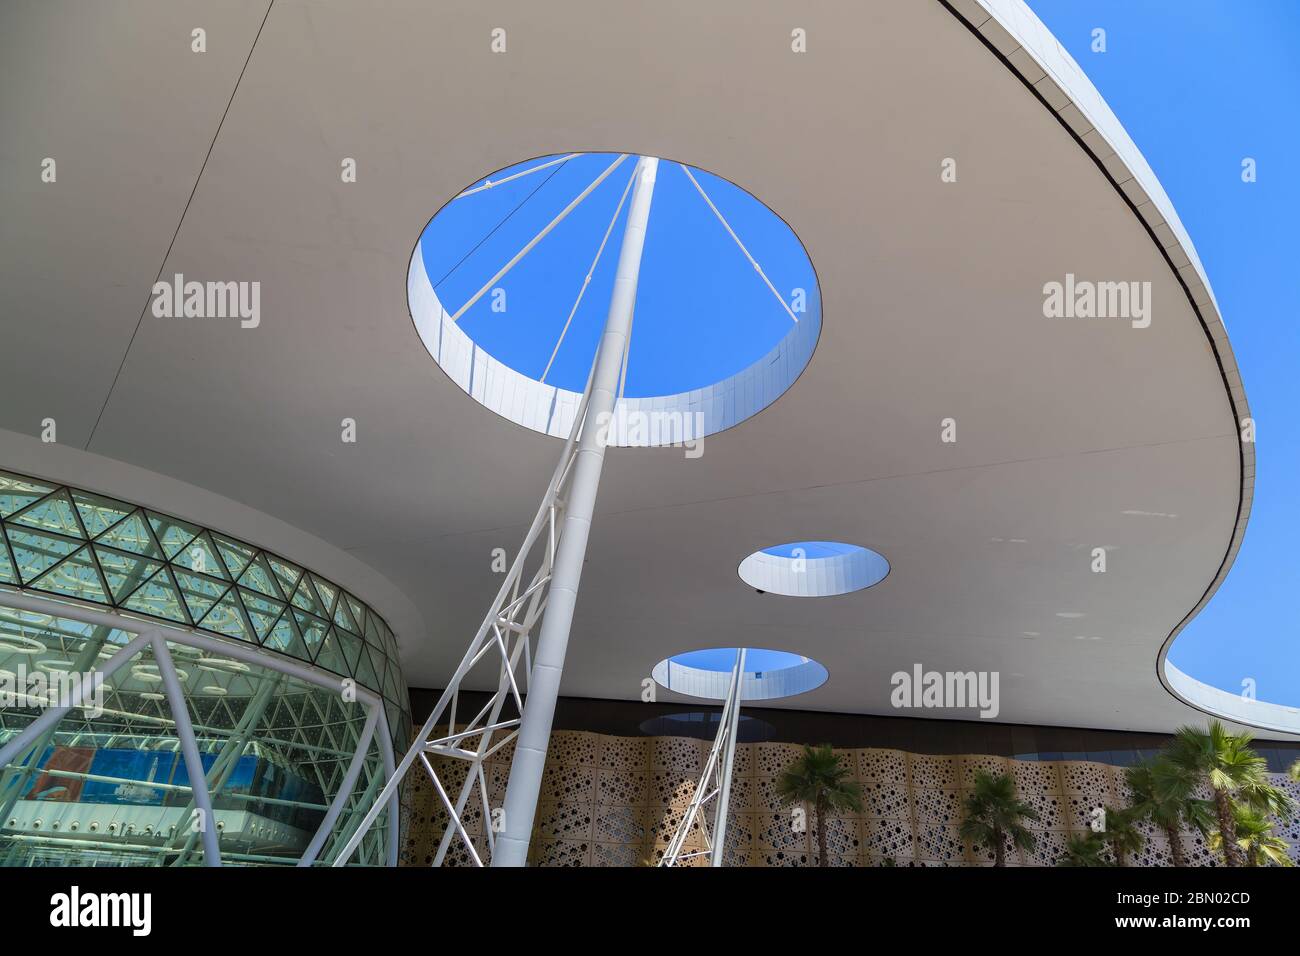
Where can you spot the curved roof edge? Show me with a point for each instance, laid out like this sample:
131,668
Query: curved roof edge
1029,49
1235,707
87,470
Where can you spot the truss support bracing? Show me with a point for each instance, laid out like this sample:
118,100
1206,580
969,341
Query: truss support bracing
452,742
714,785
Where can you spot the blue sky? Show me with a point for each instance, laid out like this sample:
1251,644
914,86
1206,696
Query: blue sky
702,315
1199,86
724,658
812,549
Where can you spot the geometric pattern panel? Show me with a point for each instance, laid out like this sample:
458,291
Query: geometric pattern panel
616,801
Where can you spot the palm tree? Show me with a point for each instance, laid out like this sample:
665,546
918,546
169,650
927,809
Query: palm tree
1163,795
1224,762
1294,772
993,815
1255,839
818,778
1122,834
1084,849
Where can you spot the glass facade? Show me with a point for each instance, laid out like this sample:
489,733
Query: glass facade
100,550
261,647
107,785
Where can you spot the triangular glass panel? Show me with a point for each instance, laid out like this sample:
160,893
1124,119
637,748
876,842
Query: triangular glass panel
200,556
366,675
228,618
312,630
37,553
328,594
390,680
358,611
372,632
54,513
351,649
343,618
98,513
17,492
306,599
312,735
259,577
284,637
262,611
158,596
7,572
287,573
131,534
397,723
125,572
76,577
235,555
331,655
201,593
172,534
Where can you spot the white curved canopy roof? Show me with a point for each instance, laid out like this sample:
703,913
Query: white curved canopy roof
1071,434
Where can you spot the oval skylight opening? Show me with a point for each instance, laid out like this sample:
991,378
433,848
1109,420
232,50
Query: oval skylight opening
813,569
714,339
769,675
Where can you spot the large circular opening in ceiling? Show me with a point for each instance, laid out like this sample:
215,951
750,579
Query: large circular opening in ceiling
769,675
813,569
509,288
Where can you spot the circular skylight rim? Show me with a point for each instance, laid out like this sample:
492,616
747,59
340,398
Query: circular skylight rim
854,568
668,420
771,684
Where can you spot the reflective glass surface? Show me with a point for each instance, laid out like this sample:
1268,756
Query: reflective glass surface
108,784
102,550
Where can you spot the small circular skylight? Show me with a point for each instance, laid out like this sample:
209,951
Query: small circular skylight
509,288
769,675
813,569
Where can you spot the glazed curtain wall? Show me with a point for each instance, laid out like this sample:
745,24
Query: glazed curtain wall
78,544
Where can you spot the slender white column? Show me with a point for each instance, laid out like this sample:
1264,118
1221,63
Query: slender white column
731,718
345,789
544,684
189,750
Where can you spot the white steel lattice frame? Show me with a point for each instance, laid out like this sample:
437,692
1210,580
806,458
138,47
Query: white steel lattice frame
503,639
714,784
505,636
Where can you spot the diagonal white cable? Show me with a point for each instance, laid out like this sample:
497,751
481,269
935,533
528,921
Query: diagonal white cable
757,268
539,237
488,184
587,281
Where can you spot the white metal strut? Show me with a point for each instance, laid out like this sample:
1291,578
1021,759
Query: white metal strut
554,547
714,784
